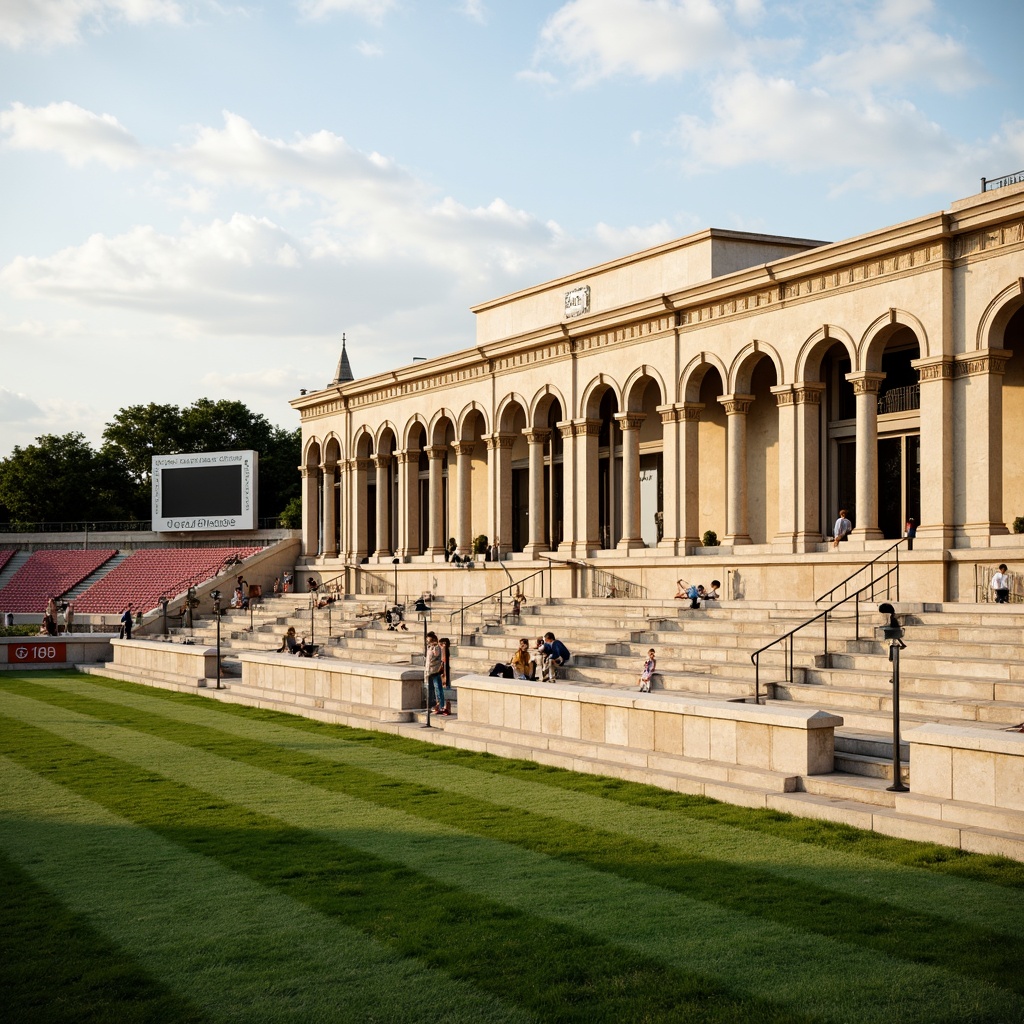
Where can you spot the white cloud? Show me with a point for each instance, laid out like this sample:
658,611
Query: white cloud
76,134
368,49
892,147
474,10
48,23
371,10
648,38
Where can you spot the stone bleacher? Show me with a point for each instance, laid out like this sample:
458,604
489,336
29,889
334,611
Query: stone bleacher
50,572
146,575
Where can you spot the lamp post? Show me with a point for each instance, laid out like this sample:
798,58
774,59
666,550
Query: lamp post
394,562
215,594
893,632
163,605
423,611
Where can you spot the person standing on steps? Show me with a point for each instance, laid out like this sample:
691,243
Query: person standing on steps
432,668
841,530
648,670
1001,585
126,622
446,673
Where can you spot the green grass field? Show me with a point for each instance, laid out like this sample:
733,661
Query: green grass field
166,858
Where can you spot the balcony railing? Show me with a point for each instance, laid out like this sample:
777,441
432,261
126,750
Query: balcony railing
900,399
990,184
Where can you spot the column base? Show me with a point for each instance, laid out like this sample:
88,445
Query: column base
736,539
671,546
630,544
866,533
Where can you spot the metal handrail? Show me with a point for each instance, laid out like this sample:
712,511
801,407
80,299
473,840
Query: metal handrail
867,565
463,608
788,653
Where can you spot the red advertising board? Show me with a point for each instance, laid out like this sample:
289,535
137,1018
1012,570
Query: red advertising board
37,652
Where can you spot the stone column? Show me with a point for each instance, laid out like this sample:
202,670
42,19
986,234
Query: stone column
464,497
408,510
785,401
330,523
535,440
360,540
937,425
670,418
982,372
689,532
736,409
383,540
436,541
630,423
310,510
499,490
585,434
866,384
808,464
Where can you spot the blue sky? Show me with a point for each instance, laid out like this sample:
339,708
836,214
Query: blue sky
198,197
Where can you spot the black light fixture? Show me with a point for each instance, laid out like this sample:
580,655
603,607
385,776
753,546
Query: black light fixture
892,632
215,594
422,609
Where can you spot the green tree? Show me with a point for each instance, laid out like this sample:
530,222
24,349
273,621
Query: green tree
60,477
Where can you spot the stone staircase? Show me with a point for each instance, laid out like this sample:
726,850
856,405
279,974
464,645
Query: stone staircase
962,665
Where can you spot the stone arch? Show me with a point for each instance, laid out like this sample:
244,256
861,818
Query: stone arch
466,417
313,453
998,313
878,333
593,392
506,411
693,374
745,363
414,423
362,443
333,449
636,384
441,423
815,347
542,403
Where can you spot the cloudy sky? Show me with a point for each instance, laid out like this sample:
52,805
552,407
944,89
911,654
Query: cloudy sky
197,197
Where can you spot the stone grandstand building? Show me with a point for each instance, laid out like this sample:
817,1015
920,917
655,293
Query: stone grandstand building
745,384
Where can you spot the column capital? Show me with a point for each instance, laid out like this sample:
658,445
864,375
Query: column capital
436,451
866,382
736,405
692,410
629,420
464,447
535,436
670,413
935,368
381,461
360,464
784,394
982,360
328,468
499,441
407,455
308,471
808,392
580,428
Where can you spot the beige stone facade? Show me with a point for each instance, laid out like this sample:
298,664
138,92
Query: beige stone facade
745,384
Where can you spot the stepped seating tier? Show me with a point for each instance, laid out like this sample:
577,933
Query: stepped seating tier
146,575
6,554
50,572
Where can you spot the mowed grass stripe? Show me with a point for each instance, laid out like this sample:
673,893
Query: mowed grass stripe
56,967
964,901
977,953
553,971
237,948
800,970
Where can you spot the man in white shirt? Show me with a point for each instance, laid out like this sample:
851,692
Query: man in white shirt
842,529
1001,585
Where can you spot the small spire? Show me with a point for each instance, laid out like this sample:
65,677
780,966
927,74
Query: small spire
344,370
